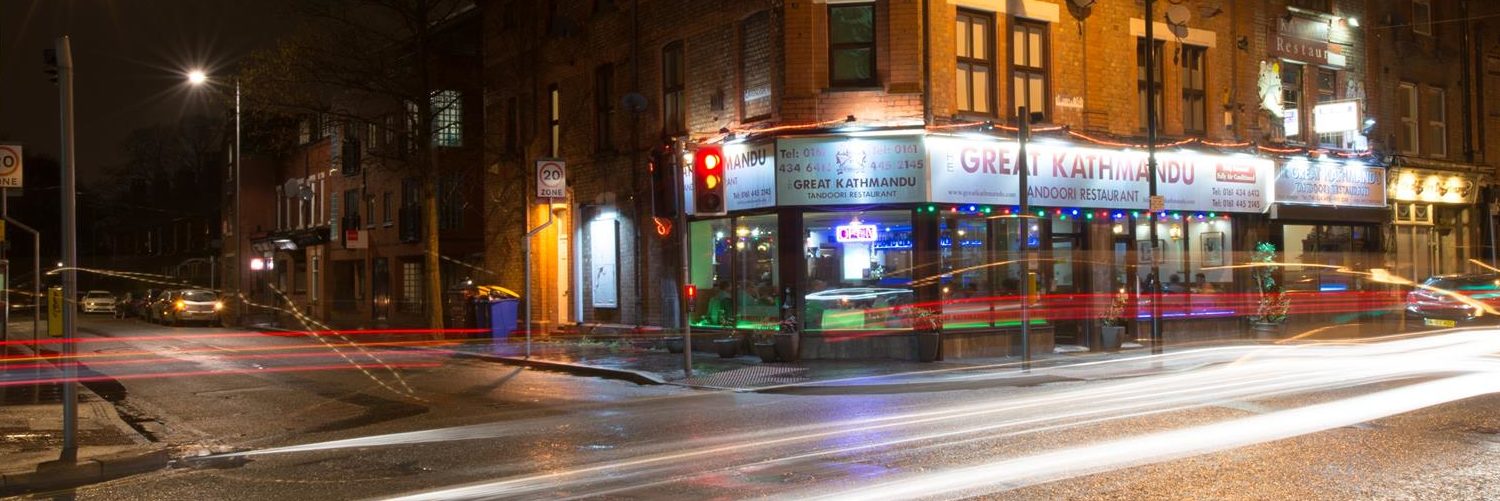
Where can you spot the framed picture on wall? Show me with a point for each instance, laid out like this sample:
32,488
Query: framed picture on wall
1213,248
1145,252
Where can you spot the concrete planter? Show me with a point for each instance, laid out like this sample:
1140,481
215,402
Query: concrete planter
674,344
766,351
727,347
1111,337
1267,330
786,346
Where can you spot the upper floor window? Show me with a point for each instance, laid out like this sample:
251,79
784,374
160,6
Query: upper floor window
554,119
1437,122
1406,106
756,67
1158,49
604,107
447,118
1291,101
851,45
1194,89
674,111
976,62
1328,85
1421,17
1028,66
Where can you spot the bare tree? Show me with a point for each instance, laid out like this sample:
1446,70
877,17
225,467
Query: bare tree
360,62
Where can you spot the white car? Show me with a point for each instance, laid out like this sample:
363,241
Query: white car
98,302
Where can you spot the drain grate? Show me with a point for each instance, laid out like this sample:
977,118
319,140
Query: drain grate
751,377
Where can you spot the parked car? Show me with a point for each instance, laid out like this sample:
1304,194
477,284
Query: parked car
156,310
97,302
140,304
193,305
1455,300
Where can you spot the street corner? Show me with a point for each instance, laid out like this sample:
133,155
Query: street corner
59,474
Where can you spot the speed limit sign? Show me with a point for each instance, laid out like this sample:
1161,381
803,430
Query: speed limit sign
10,166
551,179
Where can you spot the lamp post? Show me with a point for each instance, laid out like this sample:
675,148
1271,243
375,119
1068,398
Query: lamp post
198,78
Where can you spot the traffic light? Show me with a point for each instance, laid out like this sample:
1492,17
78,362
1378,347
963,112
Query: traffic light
708,180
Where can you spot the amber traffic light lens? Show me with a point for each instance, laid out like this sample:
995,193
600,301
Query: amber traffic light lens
711,181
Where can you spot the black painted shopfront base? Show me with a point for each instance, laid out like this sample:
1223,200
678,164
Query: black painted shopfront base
903,345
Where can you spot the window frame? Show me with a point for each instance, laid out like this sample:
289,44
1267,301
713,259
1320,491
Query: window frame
604,107
673,89
1300,102
1421,28
873,45
1043,73
554,120
988,62
1408,119
1191,94
447,107
1437,121
1160,51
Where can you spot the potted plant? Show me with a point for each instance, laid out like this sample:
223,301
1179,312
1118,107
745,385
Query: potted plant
1112,333
729,345
786,339
764,347
925,325
1272,302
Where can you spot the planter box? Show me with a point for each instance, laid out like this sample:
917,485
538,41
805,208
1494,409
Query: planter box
727,347
927,346
1111,337
766,352
674,344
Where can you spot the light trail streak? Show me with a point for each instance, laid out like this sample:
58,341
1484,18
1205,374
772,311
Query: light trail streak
1176,444
217,372
1304,368
232,335
240,357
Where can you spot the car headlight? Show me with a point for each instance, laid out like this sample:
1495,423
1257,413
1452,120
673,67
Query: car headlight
218,305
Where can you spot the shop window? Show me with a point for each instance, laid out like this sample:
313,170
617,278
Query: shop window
1315,252
968,283
1157,53
1193,254
710,271
976,62
859,270
1194,89
756,283
851,45
1028,67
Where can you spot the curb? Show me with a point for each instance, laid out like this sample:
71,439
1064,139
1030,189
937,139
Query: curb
58,475
637,377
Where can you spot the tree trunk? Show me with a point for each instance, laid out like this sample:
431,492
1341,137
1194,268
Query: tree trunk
430,237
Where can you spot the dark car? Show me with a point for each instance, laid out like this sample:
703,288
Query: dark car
1455,300
140,305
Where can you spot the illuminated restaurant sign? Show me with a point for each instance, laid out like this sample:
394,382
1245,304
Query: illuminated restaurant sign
987,172
1342,184
750,172
855,232
850,170
1416,185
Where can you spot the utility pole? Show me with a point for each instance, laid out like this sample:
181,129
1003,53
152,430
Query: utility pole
70,252
1024,135
679,190
1155,278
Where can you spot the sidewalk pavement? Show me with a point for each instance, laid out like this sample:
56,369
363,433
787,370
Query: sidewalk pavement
31,431
631,361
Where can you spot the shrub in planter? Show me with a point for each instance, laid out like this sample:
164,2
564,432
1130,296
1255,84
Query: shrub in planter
1112,334
786,339
926,325
764,347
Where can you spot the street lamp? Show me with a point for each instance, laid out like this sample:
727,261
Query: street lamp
198,78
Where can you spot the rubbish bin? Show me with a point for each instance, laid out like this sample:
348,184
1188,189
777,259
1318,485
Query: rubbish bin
502,317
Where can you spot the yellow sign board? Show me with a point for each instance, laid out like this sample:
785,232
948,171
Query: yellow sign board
54,311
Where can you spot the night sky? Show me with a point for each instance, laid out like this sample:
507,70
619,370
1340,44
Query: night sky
130,57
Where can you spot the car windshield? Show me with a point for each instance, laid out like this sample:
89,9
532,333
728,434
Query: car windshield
199,296
98,295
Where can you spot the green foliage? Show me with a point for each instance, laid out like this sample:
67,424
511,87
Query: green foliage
1273,303
1115,315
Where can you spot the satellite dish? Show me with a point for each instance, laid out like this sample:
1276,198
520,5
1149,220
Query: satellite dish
633,102
1177,19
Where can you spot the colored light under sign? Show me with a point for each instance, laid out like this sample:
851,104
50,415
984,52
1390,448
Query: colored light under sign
856,233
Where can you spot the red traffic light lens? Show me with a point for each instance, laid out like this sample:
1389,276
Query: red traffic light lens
691,291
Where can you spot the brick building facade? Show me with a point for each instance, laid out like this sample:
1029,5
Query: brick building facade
1284,86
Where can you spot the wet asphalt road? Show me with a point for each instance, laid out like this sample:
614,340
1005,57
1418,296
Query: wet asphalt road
448,423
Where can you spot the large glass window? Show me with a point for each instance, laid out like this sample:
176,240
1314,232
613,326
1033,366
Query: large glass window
1314,254
859,269
976,62
851,45
756,285
711,272
447,118
1028,67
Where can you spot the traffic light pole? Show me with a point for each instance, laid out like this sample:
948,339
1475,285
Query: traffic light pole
1024,135
680,192
70,252
1155,281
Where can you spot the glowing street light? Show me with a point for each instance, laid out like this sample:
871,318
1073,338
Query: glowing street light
197,77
